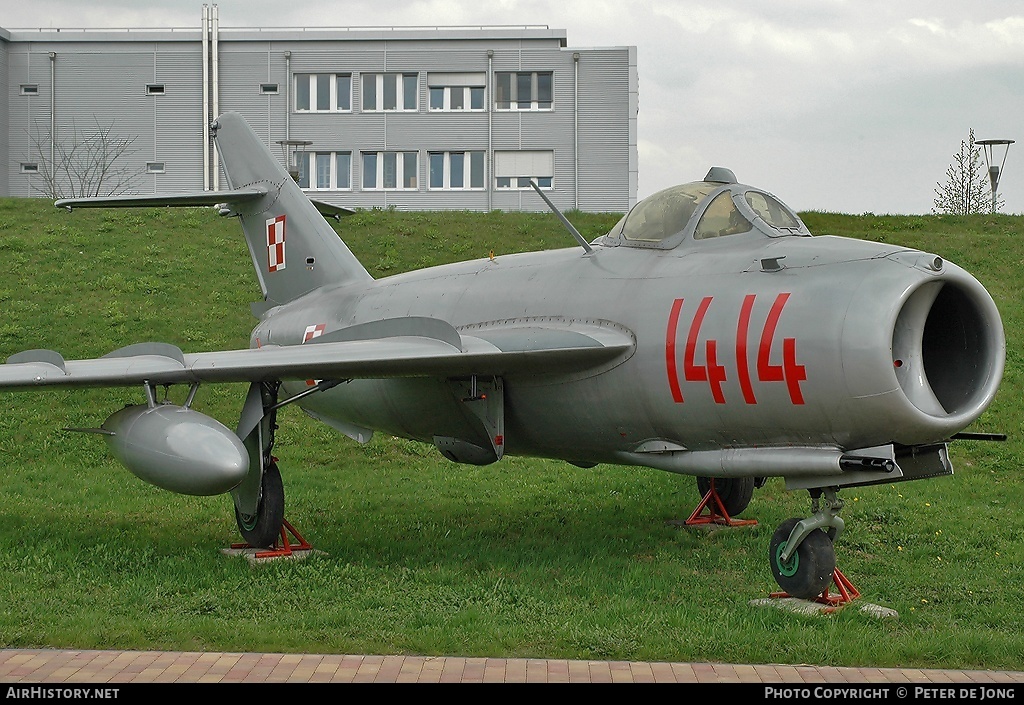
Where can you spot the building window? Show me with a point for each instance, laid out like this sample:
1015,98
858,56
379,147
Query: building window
29,168
29,89
390,91
390,170
269,88
456,91
456,170
323,92
523,90
155,89
325,171
515,170
155,167
521,182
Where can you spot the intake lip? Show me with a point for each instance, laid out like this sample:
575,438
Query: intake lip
948,349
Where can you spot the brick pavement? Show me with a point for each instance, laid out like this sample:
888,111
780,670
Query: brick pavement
111,667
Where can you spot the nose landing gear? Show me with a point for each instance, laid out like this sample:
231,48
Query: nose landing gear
802,555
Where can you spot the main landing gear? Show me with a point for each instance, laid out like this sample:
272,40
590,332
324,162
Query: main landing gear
259,499
262,527
802,555
258,529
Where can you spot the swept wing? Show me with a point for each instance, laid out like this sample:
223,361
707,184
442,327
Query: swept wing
436,349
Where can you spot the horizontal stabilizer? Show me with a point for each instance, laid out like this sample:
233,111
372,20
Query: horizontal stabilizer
330,210
198,198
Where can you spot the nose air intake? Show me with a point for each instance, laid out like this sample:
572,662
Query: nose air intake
948,349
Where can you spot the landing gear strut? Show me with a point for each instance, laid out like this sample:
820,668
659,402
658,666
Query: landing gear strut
259,499
802,555
262,528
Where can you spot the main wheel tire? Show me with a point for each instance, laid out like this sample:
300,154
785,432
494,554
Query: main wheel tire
735,492
810,569
262,529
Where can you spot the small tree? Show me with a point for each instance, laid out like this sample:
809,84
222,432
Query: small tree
84,163
967,189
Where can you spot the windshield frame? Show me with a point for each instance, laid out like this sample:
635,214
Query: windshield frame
786,222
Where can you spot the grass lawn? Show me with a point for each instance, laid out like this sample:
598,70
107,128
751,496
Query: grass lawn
523,558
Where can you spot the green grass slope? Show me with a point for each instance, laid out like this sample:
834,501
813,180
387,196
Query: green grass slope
420,556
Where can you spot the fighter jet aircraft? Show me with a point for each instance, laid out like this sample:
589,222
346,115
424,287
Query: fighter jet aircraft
708,333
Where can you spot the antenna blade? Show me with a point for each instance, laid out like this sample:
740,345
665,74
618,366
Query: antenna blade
575,233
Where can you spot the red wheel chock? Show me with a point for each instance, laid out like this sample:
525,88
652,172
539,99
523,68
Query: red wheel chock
847,593
716,513
284,547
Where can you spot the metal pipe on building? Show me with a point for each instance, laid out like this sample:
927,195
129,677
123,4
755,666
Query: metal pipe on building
576,130
214,67
489,97
287,96
206,98
53,114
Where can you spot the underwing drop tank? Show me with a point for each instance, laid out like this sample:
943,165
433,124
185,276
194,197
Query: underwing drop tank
177,449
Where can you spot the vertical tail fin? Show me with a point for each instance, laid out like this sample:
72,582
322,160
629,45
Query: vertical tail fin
294,250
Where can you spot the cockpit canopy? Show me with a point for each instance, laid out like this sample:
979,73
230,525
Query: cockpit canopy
700,210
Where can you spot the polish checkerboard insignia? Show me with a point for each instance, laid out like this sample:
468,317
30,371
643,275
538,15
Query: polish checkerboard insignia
314,331
275,243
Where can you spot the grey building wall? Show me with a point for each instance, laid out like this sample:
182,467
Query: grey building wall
92,85
5,152
97,80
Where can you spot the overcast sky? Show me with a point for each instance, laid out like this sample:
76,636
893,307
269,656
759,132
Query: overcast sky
849,106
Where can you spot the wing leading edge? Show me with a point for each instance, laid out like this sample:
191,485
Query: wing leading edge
495,350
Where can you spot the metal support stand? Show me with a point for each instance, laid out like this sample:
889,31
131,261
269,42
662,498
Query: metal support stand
284,547
716,513
847,593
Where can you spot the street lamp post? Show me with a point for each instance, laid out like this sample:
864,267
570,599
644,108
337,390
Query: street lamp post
293,150
991,148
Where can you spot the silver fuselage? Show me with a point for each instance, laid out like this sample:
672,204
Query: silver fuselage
831,349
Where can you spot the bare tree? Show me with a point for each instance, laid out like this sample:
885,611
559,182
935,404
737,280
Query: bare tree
84,163
967,190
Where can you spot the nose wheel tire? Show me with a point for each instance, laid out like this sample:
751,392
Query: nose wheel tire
262,529
810,569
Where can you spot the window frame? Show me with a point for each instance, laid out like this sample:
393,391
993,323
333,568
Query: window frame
510,84
381,165
380,87
309,170
338,100
514,169
504,183
473,170
448,98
